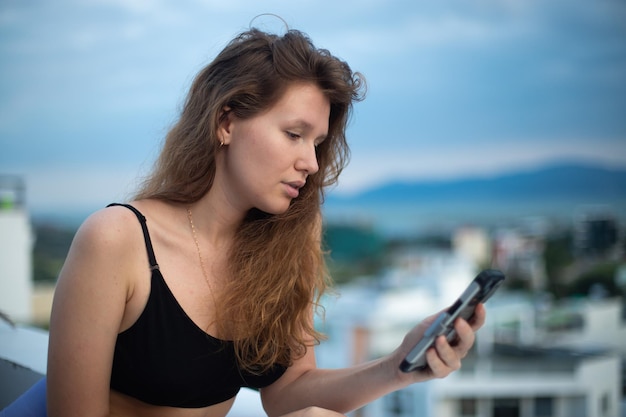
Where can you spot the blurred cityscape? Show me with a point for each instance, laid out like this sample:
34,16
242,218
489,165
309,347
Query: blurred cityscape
554,343
555,340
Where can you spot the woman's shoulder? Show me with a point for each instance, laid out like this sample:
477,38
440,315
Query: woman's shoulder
114,218
111,229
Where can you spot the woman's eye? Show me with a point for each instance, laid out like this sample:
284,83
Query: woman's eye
293,135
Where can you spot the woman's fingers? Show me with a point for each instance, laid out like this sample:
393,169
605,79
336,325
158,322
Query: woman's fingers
444,358
478,319
465,337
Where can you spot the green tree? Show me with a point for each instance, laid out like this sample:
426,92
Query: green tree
601,276
353,251
51,246
557,257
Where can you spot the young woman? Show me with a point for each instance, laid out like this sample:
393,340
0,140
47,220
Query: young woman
209,279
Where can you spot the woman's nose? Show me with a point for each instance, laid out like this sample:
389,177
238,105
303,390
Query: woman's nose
307,161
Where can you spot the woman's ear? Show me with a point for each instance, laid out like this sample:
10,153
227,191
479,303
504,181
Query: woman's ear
224,127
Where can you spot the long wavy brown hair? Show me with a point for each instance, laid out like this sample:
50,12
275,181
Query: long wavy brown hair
276,261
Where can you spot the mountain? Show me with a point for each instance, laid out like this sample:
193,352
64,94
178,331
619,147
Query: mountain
564,182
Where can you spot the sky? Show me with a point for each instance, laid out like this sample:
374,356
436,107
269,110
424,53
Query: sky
88,89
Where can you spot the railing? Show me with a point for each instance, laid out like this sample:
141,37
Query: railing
23,359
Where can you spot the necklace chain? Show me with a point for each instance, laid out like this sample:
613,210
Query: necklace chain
195,238
203,267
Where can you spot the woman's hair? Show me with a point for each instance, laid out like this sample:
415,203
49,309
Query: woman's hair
276,261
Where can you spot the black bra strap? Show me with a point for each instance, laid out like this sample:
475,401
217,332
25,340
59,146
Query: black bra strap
146,235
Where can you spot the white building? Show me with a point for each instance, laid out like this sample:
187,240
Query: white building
474,243
515,382
16,242
585,324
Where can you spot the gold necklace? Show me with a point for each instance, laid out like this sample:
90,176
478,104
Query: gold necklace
202,265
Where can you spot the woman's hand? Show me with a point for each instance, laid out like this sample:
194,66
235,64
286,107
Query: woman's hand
443,358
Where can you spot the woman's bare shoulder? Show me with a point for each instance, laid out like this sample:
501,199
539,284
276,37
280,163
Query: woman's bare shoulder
108,235
110,222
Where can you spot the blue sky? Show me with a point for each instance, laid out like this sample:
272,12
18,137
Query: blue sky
456,87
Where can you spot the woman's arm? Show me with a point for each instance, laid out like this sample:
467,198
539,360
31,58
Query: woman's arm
344,390
88,307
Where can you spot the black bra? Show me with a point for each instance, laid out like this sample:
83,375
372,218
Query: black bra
165,359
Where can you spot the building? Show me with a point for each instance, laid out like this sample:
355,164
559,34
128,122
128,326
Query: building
473,242
597,233
519,254
16,243
515,381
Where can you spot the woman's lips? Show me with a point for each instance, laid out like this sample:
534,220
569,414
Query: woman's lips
293,188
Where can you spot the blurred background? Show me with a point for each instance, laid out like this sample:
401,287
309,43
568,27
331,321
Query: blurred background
493,135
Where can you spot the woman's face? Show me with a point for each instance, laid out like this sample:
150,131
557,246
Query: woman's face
268,158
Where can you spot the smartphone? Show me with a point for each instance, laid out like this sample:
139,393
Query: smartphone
479,290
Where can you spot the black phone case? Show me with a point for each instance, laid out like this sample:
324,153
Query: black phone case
479,291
